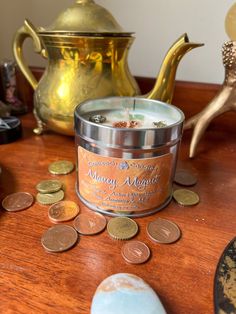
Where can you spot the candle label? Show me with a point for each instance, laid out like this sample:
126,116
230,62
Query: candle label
124,184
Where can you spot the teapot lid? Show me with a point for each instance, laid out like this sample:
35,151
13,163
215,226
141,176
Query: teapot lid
86,17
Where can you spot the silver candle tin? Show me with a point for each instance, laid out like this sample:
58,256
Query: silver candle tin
122,170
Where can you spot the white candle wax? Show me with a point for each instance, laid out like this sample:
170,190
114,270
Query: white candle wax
144,118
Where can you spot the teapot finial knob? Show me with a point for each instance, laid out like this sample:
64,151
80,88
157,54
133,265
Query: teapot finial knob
84,1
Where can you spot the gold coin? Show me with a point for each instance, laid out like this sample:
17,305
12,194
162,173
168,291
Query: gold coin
122,228
50,198
63,211
186,197
61,167
49,186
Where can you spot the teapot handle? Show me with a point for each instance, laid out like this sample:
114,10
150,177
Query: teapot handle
27,30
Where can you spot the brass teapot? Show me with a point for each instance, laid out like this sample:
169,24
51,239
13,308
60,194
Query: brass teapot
87,58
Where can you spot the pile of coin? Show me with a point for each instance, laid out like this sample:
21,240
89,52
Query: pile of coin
49,192
62,237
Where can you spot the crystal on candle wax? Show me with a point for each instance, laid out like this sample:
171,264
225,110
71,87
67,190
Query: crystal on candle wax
160,124
97,118
126,124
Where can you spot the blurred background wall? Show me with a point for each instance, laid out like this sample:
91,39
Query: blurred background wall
157,24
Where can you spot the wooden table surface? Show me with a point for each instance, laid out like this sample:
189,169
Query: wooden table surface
34,281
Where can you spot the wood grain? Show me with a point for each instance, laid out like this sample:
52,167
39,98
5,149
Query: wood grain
34,281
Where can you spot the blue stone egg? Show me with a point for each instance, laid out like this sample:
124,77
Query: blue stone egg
125,294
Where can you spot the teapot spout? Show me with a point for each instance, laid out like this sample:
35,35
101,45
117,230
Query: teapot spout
164,86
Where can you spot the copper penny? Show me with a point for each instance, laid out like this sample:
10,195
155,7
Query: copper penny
59,238
163,231
185,177
135,252
63,211
17,201
90,223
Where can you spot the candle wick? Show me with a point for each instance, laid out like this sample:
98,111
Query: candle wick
127,117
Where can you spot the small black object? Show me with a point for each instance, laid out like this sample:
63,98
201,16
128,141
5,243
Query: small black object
9,87
10,129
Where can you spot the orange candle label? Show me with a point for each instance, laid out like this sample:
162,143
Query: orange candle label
124,184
